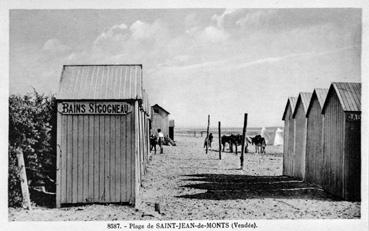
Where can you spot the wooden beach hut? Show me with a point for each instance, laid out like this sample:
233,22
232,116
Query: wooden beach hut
299,116
100,134
159,119
288,137
314,137
144,133
171,129
342,140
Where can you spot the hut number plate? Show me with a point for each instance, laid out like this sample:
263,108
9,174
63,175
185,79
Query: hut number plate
94,108
353,117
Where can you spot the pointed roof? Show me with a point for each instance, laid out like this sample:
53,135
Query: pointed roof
320,94
292,102
100,82
349,95
157,106
304,98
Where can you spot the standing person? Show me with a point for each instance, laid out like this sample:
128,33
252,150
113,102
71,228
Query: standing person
210,139
153,142
161,140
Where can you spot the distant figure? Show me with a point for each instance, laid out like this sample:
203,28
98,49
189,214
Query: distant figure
160,140
278,138
153,142
259,143
227,139
208,141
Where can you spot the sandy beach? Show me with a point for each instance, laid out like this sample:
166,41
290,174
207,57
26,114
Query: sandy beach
189,184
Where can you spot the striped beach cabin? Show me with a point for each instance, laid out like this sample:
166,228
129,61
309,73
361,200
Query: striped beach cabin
299,116
341,175
314,138
159,120
288,137
102,134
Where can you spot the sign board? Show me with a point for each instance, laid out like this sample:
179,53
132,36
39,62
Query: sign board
353,117
94,108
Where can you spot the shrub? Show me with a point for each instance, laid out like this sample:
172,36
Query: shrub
32,127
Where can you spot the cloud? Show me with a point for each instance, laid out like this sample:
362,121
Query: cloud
55,46
220,19
213,34
285,57
141,30
256,18
112,39
116,32
135,38
240,62
287,19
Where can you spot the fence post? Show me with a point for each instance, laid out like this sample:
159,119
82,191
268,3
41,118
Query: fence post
207,135
220,141
243,140
23,179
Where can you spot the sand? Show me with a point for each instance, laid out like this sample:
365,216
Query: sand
191,185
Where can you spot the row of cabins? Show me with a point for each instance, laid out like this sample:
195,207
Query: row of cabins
322,136
103,127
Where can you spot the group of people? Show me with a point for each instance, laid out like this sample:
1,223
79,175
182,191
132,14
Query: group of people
154,140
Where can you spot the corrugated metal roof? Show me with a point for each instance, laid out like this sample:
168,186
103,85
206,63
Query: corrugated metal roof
321,94
100,82
349,95
304,98
292,102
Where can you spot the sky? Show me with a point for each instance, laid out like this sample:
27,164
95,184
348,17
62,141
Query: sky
222,62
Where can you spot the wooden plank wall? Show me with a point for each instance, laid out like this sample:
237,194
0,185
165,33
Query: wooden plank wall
314,144
146,140
136,156
300,142
352,161
334,138
289,137
160,121
286,156
97,162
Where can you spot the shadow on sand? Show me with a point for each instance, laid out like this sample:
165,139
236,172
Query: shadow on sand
231,187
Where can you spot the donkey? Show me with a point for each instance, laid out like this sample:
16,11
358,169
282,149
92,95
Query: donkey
259,143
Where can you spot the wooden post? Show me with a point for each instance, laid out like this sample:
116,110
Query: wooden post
207,135
243,140
23,179
220,141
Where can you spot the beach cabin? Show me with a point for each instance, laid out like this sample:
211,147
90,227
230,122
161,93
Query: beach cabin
171,129
314,138
342,140
299,116
159,119
288,137
102,130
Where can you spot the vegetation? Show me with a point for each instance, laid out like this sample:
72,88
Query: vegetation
32,127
